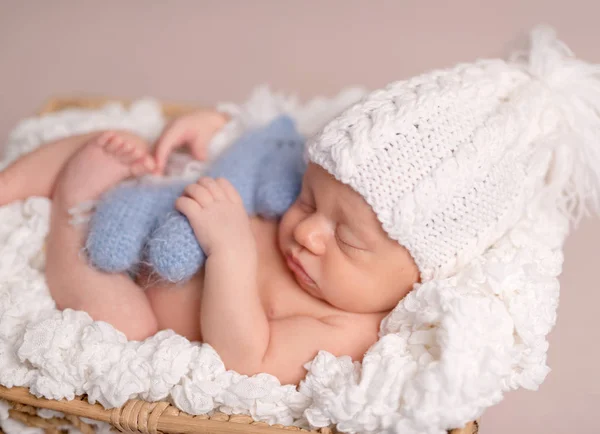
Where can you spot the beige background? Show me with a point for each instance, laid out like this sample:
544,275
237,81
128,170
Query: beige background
202,52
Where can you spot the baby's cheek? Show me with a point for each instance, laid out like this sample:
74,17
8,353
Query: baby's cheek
343,280
371,291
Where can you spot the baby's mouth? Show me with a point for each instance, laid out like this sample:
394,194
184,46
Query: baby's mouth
299,271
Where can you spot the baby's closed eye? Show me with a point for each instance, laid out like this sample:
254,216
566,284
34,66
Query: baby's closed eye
347,239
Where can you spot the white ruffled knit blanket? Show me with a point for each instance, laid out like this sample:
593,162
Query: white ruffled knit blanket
446,353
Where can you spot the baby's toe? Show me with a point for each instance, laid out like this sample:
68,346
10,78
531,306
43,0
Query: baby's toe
126,150
141,166
104,138
129,155
134,155
149,163
114,144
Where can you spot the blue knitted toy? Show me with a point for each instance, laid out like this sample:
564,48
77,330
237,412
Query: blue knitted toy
135,223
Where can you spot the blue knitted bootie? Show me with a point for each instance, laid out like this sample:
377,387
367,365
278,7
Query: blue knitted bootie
122,222
173,249
280,183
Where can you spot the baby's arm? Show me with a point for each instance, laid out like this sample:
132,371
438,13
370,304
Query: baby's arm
194,130
233,319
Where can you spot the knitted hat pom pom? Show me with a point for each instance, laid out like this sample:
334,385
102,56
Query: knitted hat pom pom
574,87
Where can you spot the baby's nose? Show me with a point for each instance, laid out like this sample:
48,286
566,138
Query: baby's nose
312,233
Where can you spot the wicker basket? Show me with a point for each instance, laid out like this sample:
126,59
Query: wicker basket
137,416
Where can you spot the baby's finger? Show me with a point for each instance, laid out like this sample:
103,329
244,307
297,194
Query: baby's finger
200,194
212,186
198,148
230,191
188,207
171,138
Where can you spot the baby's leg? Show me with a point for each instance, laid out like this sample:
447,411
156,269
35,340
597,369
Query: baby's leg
113,298
35,173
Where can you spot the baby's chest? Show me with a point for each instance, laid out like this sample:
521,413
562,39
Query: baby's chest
346,333
282,299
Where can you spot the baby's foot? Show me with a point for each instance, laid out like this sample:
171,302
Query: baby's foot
105,160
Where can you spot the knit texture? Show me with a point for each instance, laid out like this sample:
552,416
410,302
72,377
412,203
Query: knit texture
449,159
123,222
138,223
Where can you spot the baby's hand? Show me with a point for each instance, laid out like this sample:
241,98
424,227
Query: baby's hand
193,130
217,215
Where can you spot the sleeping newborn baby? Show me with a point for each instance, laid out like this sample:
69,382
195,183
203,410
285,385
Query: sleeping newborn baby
408,186
271,293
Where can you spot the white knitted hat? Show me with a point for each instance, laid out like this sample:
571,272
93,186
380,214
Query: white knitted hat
448,160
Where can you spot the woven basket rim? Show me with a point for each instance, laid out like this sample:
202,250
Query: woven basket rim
170,109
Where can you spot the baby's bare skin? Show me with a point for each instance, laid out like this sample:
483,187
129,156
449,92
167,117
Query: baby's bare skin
272,294
321,279
178,307
100,162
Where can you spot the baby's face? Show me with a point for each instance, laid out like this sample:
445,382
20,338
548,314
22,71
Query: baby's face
338,251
